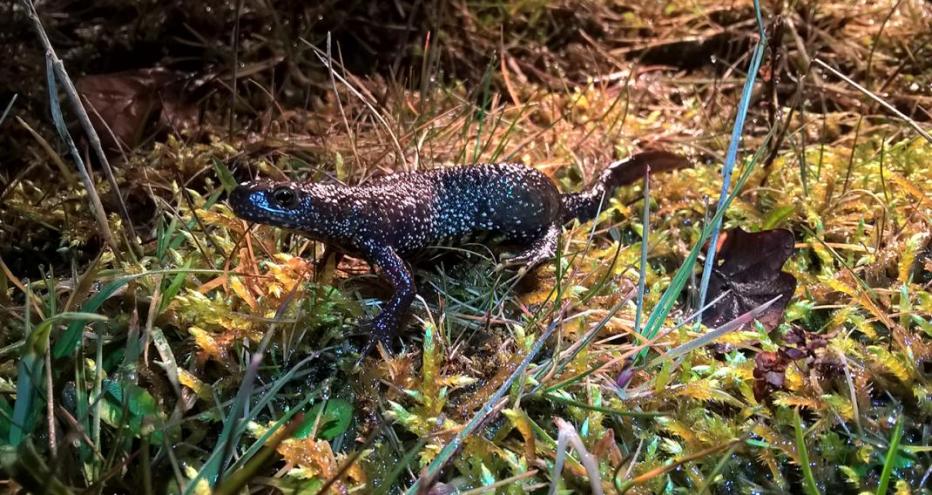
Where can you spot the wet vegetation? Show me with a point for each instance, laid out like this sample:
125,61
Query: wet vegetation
758,323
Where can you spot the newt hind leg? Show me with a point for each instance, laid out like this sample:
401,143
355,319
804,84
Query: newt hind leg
541,250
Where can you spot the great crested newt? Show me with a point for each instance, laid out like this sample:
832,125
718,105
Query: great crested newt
391,218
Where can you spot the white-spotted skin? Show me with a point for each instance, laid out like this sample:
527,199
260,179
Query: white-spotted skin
414,210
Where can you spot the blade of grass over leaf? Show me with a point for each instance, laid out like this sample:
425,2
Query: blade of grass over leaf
665,305
711,336
732,154
646,344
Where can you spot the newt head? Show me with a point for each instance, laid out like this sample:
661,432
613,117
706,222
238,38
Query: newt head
272,203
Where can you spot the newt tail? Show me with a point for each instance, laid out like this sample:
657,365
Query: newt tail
585,205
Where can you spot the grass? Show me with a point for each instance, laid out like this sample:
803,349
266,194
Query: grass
219,359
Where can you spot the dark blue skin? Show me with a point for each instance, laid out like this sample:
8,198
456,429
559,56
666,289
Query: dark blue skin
395,216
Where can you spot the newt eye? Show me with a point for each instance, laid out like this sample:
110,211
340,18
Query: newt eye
285,197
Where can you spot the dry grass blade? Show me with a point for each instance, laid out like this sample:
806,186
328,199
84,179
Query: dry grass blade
623,487
328,62
711,336
9,106
870,94
55,157
569,436
51,69
62,76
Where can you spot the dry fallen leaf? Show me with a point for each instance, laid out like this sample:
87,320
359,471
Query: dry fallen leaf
749,266
123,106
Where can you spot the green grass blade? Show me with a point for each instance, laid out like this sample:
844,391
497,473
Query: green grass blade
172,290
69,340
30,367
25,388
732,153
645,231
891,457
223,173
809,483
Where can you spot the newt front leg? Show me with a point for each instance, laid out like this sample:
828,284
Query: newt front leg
393,268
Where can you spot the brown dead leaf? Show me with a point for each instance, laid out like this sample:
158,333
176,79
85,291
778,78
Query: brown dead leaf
749,266
124,106
769,373
770,367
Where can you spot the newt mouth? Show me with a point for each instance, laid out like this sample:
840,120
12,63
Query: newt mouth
240,202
